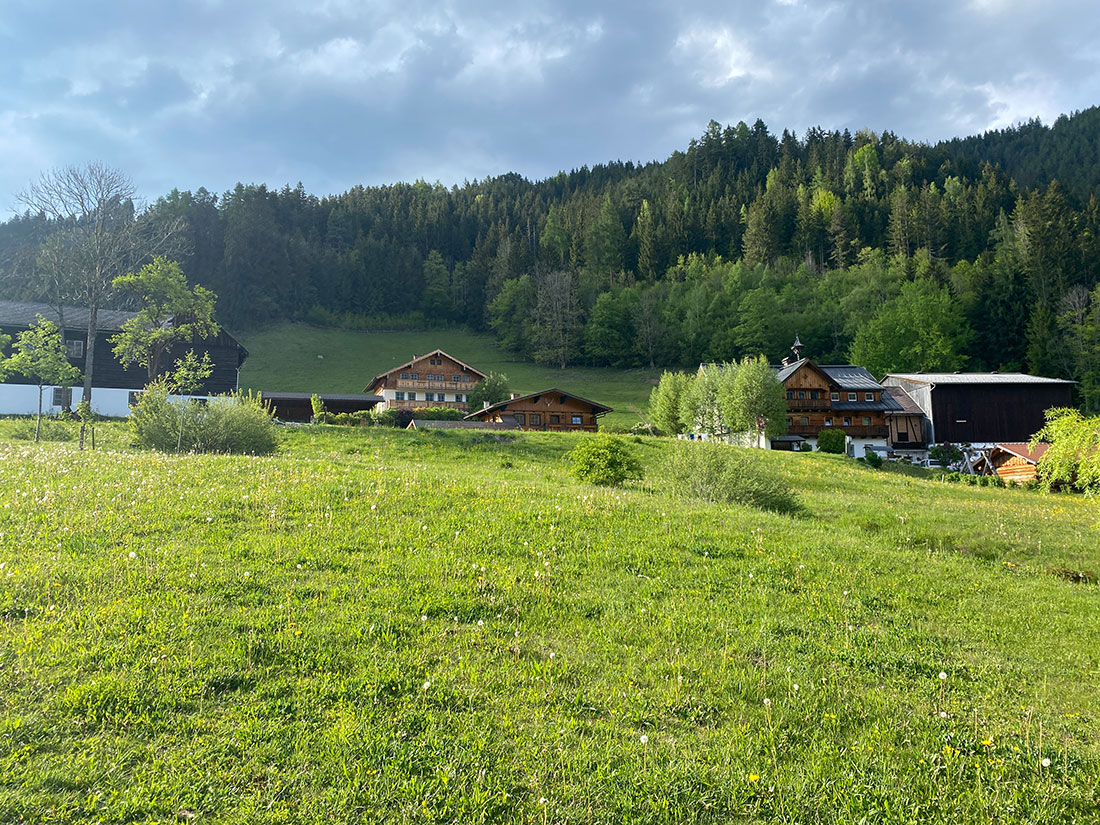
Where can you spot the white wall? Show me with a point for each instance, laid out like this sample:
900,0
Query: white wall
113,402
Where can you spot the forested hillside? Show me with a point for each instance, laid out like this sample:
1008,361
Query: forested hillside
977,253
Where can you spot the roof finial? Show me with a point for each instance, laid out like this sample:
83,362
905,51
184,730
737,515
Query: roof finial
795,347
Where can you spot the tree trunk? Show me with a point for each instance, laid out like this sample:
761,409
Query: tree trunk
38,421
89,352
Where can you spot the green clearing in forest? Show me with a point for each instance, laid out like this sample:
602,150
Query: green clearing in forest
285,358
391,626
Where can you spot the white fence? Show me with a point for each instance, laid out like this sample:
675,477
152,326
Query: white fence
113,402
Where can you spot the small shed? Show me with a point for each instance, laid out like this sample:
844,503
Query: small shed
298,406
1015,462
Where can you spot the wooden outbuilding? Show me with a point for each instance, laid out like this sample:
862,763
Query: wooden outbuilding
1015,462
298,406
982,407
550,409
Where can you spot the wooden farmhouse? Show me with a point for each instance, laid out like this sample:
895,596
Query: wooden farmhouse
1014,462
546,410
114,386
982,408
841,396
433,380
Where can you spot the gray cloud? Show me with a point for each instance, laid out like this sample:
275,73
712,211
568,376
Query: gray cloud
341,92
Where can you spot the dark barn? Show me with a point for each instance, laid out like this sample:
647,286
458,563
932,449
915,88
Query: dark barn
225,351
983,407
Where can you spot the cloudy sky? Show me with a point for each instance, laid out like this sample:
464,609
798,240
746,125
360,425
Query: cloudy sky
340,92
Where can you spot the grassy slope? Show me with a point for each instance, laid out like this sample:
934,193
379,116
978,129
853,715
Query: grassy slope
284,357
390,626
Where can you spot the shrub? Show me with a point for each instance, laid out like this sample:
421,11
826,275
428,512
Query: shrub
604,460
49,431
723,474
832,441
873,459
229,424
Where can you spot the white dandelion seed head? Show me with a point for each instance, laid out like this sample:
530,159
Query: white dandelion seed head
426,685
767,703
1046,762
133,555
423,618
481,623
943,714
795,687
943,675
643,739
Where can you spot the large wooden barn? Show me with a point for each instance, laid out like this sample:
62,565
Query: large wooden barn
982,407
113,384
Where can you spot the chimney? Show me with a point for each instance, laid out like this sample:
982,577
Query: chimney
786,361
513,396
485,405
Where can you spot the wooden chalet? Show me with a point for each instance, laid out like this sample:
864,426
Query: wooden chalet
433,380
1014,462
114,384
549,409
982,407
839,396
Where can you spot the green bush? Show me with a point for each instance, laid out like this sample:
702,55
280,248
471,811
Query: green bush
52,430
873,459
604,460
229,424
723,474
831,440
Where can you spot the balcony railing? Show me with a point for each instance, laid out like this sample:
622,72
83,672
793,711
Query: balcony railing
807,404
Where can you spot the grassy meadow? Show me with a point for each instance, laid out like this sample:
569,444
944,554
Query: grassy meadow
301,358
378,625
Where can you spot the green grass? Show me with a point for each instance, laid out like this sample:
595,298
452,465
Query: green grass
286,358
377,625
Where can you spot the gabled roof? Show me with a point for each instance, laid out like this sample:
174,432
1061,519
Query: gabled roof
1022,450
785,372
416,358
502,405
24,314
975,378
844,376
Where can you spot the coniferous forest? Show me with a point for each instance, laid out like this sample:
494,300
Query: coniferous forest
979,253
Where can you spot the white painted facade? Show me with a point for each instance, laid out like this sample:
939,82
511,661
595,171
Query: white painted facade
111,402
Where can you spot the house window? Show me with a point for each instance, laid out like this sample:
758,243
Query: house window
790,394
828,421
788,421
399,396
903,435
404,376
466,378
521,418
412,396
414,375
455,379
804,421
63,397
813,395
868,396
555,419
834,396
536,419
133,398
847,422
577,421
866,421
74,348
801,395
429,396
429,377
852,396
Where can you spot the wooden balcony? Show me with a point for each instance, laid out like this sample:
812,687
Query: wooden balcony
435,386
803,404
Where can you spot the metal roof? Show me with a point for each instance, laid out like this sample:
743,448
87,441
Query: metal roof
887,404
975,378
906,404
850,377
24,314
